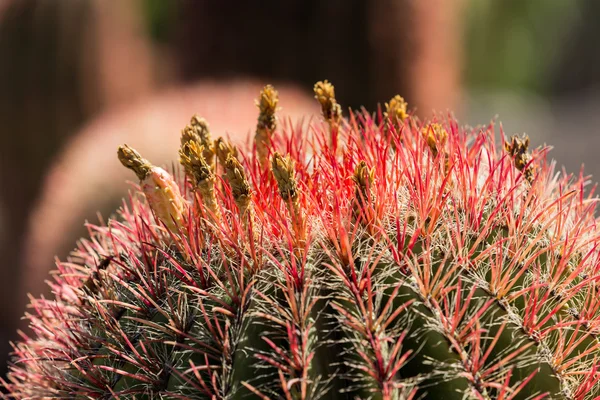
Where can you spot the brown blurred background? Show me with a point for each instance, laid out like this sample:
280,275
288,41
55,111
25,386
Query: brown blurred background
78,77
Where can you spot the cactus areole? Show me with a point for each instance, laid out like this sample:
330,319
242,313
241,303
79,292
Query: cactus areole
370,257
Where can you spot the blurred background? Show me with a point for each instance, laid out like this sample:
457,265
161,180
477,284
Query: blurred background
79,77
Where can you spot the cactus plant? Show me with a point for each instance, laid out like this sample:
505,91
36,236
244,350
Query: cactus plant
373,257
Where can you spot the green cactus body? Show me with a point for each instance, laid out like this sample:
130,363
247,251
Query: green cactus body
378,258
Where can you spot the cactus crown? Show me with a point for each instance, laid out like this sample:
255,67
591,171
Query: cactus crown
371,257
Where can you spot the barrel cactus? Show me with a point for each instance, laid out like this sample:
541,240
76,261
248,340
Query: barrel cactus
370,257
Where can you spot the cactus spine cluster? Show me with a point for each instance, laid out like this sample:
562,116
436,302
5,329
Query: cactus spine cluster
373,257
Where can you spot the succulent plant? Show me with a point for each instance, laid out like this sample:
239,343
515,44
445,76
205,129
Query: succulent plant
377,256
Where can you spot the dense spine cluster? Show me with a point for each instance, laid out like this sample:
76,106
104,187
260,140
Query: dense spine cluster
373,257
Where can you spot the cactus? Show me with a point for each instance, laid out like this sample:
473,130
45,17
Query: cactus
373,257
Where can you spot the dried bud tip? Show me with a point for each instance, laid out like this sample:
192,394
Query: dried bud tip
134,161
192,159
189,134
236,176
325,95
240,187
199,123
202,130
517,148
224,149
267,121
396,108
196,167
435,135
283,171
198,131
267,101
363,176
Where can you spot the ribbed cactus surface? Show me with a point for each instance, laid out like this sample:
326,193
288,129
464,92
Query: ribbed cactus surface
372,257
